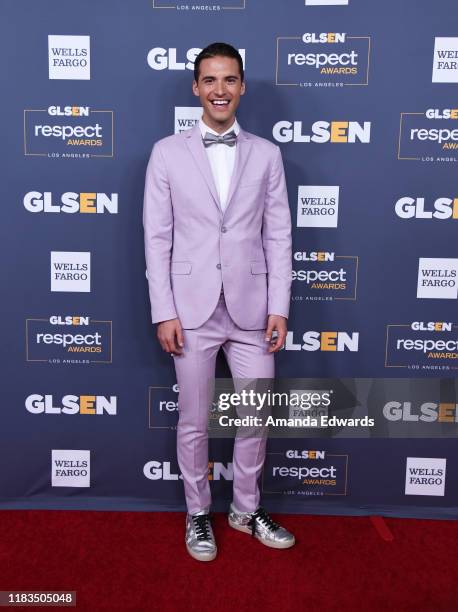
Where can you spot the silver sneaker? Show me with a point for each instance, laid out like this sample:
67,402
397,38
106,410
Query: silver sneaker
262,527
199,538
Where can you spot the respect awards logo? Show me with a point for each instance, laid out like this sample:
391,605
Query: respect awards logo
163,407
323,275
72,339
422,345
430,136
326,59
68,132
199,5
299,472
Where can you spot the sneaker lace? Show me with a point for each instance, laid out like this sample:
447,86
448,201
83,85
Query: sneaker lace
202,525
264,518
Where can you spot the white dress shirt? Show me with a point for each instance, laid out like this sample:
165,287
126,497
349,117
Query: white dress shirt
222,159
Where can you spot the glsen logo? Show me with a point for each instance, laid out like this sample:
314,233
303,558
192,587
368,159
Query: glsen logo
72,404
334,132
422,345
430,136
427,412
317,206
322,275
159,58
299,472
326,2
437,278
70,468
425,476
324,341
415,208
186,117
161,470
71,271
305,454
68,132
71,202
445,62
326,59
69,340
69,57
198,5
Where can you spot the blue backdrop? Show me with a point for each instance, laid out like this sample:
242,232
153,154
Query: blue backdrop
361,98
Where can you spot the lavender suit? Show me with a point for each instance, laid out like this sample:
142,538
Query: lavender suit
222,274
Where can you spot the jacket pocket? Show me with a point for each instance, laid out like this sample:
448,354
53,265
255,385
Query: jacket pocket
258,267
180,267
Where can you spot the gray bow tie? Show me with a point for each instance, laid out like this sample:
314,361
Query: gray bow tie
228,139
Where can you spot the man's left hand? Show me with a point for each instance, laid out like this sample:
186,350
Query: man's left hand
276,323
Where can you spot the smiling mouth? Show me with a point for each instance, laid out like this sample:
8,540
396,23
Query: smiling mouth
220,103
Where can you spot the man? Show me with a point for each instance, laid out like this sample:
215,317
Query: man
218,251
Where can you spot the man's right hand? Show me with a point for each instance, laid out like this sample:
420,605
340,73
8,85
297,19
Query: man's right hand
170,335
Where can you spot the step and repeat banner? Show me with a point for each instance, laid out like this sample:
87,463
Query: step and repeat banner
362,98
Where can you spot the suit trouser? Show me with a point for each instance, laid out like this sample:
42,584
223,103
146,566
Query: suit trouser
247,357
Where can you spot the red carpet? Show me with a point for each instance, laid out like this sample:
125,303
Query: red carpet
137,561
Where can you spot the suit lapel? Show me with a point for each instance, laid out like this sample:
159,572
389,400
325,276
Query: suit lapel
194,142
241,156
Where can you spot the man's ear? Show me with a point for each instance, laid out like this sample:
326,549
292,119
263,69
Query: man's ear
242,88
195,88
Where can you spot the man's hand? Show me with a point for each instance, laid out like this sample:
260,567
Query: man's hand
170,336
276,323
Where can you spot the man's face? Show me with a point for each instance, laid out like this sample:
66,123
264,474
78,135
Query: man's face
219,89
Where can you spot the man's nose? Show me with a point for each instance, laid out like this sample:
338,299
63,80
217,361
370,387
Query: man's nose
220,88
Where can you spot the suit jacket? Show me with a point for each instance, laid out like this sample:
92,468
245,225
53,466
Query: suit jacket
192,247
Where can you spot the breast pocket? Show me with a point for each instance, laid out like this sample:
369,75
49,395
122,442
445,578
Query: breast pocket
246,184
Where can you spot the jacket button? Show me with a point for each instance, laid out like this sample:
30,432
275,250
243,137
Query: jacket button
224,229
218,266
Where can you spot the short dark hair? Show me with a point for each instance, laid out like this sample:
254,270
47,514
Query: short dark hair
218,48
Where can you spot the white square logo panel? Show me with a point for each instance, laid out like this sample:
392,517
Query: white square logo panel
71,271
69,57
70,468
186,117
437,278
445,62
425,476
317,205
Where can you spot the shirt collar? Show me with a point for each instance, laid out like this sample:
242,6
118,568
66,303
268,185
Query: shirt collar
205,128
